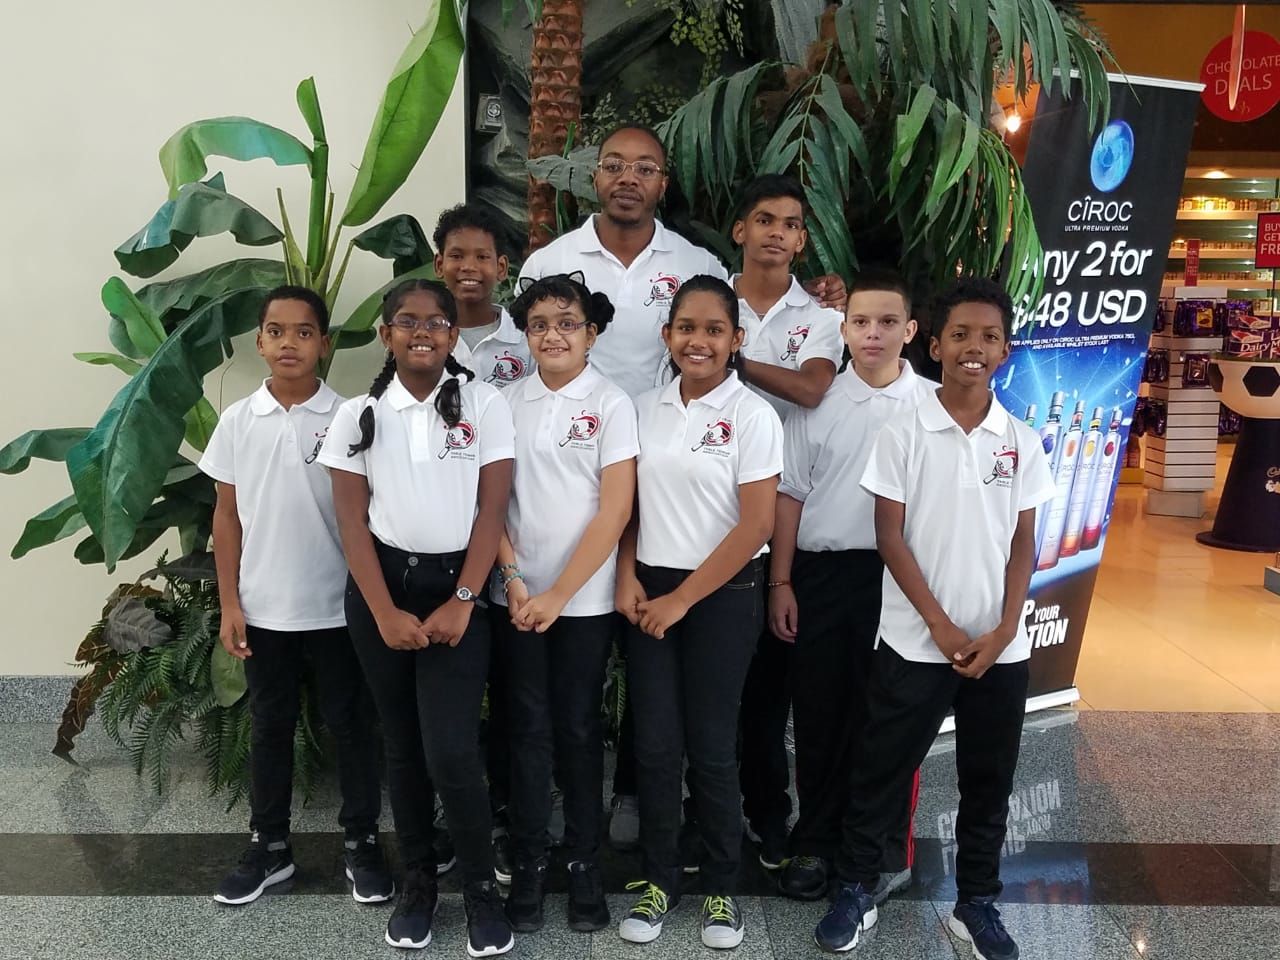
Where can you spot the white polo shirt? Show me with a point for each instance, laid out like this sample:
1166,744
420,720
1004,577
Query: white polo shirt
692,461
963,494
826,450
794,330
631,356
564,439
502,358
422,476
292,570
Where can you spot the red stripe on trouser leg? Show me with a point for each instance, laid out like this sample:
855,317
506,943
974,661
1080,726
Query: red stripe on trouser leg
911,821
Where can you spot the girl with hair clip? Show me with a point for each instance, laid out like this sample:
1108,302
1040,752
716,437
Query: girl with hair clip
421,470
689,573
572,494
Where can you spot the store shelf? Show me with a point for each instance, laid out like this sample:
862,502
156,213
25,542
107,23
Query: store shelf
1245,253
1229,284
1219,214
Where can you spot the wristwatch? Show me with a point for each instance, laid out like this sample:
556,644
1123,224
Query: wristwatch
465,595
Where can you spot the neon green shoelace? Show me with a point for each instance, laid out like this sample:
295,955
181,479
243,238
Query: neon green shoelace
718,908
652,903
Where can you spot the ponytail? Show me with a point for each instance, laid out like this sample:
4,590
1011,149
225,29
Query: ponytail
376,390
449,396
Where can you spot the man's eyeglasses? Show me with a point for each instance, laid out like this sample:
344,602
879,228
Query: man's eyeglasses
430,324
539,328
644,169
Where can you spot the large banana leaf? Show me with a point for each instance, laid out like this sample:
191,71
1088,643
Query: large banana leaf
200,210
142,328
184,154
50,525
571,174
119,468
359,326
415,98
18,453
399,239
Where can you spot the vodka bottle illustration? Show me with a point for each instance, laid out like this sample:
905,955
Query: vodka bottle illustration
1082,488
1064,474
1050,434
1030,418
1101,493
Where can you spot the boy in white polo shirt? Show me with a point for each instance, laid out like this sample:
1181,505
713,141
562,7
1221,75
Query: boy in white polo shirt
790,355
825,574
956,487
281,579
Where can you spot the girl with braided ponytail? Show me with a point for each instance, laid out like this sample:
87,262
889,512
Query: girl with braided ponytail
421,470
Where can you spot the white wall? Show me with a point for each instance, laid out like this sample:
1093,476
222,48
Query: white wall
88,93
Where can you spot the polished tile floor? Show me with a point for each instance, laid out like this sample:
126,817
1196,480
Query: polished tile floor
1144,823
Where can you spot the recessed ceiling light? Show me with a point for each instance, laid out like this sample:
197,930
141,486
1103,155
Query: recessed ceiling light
1217,175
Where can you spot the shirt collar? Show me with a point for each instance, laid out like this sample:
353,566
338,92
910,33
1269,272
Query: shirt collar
859,390
507,330
933,416
579,388
717,398
401,399
796,295
589,240
263,402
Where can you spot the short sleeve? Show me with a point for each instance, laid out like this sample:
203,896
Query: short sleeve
219,458
1037,484
496,430
620,438
886,473
533,267
759,444
344,432
824,341
797,465
715,268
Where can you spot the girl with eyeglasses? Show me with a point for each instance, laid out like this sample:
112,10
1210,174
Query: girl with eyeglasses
421,471
574,482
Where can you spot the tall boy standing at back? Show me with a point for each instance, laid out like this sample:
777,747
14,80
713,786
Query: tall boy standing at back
956,487
790,356
281,581
826,576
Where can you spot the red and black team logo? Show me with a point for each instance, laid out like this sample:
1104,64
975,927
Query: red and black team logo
1005,467
506,369
458,438
315,452
662,288
582,427
795,340
718,435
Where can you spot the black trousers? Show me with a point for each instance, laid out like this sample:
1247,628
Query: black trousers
838,601
429,702
686,690
274,675
766,702
555,682
497,726
906,704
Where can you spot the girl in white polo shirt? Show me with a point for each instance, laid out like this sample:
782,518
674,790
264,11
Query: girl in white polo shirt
572,493
421,471
689,575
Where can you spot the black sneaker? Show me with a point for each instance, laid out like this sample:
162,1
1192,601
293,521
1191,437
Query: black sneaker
977,922
852,914
891,883
771,841
528,889
367,870
262,864
721,923
692,847
502,855
643,924
588,909
410,924
445,856
805,878
488,930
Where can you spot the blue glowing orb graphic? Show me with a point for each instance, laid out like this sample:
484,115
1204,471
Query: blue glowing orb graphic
1112,156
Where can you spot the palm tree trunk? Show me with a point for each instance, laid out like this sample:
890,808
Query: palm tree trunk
555,102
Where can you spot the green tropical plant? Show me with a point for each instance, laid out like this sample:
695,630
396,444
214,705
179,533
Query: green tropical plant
887,126
130,483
